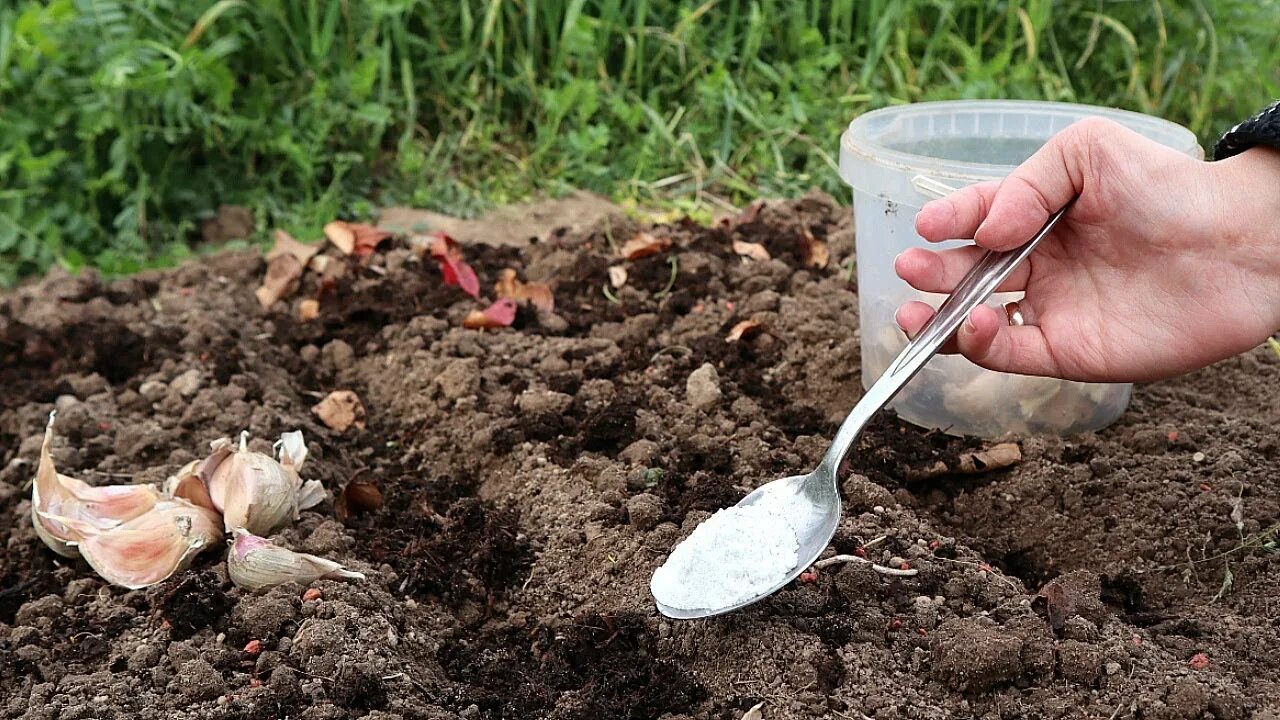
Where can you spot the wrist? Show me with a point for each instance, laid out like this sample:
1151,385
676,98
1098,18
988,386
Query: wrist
1249,201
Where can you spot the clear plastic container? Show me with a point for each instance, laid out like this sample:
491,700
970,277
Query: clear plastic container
891,158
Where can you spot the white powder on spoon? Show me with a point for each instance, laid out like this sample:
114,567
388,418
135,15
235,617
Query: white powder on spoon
733,556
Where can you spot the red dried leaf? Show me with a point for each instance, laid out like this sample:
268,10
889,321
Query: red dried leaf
500,314
456,271
644,245
1199,661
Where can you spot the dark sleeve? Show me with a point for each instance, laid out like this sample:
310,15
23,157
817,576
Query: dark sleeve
1261,129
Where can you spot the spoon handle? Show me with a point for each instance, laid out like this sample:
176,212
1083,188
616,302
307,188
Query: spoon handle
985,276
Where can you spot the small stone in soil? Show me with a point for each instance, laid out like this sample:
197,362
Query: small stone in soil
702,389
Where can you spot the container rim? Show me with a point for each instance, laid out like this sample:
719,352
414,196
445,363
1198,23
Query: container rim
856,142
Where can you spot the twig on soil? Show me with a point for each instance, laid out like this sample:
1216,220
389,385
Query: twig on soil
982,566
671,282
876,541
1260,539
1228,581
681,349
608,294
896,572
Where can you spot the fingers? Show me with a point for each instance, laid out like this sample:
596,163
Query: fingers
912,316
940,272
987,340
958,215
1042,185
1003,215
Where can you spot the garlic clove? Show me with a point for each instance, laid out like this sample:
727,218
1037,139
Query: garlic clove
65,510
151,547
186,484
253,491
255,563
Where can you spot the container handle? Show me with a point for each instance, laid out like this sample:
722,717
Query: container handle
930,188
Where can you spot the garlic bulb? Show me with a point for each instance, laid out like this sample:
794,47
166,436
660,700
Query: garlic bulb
255,563
65,510
252,490
151,547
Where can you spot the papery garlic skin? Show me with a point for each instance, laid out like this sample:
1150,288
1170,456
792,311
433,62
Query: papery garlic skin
291,449
153,546
253,491
255,563
65,510
188,485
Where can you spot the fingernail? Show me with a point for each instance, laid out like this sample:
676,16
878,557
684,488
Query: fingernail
968,328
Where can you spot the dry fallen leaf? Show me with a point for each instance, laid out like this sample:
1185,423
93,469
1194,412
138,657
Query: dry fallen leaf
283,274
816,254
537,294
341,235
617,276
340,410
308,310
995,457
359,239
359,495
755,251
500,314
744,329
286,244
644,245
1059,604
368,238
456,271
750,212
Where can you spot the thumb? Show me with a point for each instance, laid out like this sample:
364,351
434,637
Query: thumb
1042,185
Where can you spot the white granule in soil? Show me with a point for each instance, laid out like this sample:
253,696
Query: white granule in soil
730,558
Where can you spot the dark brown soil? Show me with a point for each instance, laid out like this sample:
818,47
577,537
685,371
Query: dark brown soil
533,478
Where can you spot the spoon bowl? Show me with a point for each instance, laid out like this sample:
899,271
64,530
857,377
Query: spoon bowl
813,511
810,504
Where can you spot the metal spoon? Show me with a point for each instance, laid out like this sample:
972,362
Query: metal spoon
813,500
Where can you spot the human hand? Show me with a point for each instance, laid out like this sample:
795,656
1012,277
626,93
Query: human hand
1164,264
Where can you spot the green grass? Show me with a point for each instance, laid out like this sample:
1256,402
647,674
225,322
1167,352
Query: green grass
123,123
